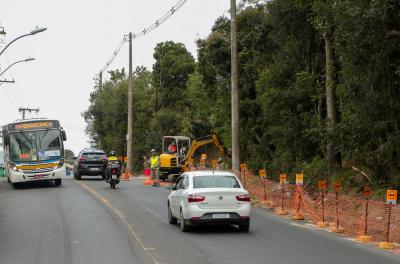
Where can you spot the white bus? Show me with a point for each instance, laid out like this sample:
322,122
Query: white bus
33,151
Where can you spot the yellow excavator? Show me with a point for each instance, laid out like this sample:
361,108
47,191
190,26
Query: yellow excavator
181,154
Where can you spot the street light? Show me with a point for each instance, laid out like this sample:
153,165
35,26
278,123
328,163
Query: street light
33,32
27,59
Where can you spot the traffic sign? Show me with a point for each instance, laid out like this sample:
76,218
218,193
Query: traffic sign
322,185
367,190
300,178
243,166
283,178
337,186
263,174
391,197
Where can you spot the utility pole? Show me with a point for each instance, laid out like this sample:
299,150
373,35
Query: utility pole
130,114
234,93
100,80
27,109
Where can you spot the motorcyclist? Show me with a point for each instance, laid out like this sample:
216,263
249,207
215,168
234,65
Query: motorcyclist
112,159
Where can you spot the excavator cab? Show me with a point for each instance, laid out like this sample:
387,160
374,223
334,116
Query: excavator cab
181,154
174,150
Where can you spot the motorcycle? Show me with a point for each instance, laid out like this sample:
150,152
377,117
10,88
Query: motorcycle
113,171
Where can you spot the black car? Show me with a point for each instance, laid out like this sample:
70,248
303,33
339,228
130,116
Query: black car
90,162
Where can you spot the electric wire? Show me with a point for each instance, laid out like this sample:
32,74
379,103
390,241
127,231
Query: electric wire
15,84
145,31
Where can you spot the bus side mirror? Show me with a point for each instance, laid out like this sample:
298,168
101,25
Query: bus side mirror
64,135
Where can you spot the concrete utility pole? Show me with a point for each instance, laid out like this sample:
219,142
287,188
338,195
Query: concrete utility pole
235,93
130,114
27,109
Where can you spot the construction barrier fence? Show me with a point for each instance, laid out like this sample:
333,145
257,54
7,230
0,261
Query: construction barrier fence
354,215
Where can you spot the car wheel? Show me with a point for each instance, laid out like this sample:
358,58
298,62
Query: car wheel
57,182
8,179
244,227
184,227
171,219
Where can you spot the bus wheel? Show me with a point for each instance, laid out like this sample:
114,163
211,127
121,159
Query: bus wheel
57,182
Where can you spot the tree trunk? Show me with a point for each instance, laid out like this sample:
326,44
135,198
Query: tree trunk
330,101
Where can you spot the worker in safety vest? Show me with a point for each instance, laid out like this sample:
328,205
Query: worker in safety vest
154,165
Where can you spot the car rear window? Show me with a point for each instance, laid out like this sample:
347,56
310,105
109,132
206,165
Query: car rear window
215,182
94,156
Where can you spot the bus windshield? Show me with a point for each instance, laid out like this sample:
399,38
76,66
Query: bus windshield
35,145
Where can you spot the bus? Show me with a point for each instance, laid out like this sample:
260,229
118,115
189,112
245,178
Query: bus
34,151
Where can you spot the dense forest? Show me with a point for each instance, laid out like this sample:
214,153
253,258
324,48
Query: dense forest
318,81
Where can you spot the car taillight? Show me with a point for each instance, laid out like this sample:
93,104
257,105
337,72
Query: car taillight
114,171
192,198
243,198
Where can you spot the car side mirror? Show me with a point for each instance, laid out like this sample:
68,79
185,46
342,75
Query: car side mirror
174,188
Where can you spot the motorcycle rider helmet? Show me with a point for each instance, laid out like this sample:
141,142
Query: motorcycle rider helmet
112,153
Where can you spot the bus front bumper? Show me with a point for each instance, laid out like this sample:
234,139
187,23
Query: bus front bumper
18,176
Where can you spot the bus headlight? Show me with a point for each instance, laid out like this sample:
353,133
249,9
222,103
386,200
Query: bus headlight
14,167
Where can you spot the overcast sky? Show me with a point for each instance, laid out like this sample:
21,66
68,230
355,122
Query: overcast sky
80,38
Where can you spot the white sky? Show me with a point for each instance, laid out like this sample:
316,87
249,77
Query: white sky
80,38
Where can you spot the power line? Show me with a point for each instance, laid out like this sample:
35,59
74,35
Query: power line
160,21
145,31
115,53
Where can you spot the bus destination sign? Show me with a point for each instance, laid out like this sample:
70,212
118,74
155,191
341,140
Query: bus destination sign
45,124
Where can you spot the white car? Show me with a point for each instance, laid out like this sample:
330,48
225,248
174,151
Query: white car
209,197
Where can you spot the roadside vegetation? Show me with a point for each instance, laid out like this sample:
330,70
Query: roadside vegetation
293,55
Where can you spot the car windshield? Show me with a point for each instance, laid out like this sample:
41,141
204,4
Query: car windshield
215,182
35,145
94,156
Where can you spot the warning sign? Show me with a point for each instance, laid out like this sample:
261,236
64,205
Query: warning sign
337,186
243,166
391,197
283,178
300,178
263,174
322,185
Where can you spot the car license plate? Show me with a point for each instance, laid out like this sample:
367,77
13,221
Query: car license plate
94,169
220,216
114,176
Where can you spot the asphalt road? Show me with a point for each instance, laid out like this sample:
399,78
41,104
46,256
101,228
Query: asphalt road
87,222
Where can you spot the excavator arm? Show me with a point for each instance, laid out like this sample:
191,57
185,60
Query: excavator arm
211,139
